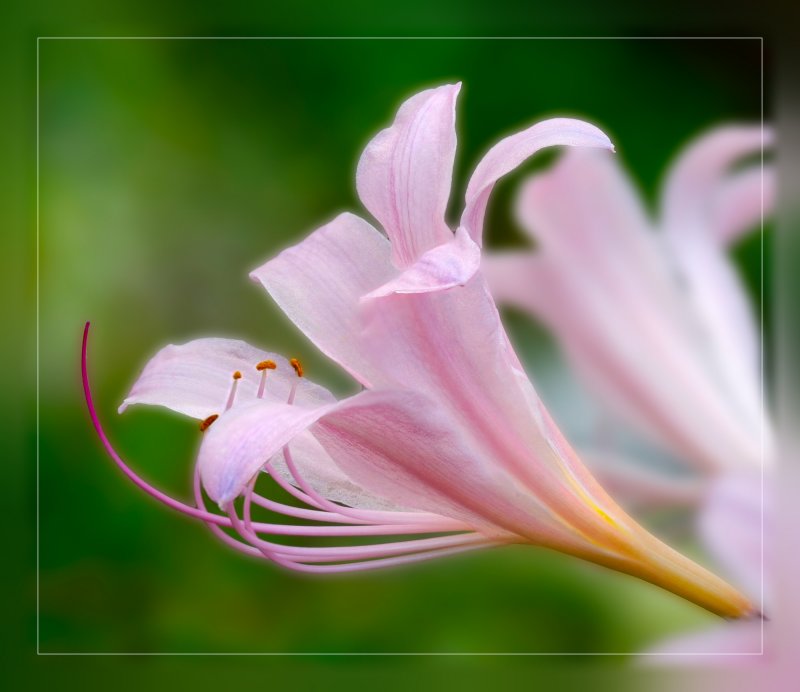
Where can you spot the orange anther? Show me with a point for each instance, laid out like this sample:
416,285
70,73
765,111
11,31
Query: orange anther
266,365
206,424
298,368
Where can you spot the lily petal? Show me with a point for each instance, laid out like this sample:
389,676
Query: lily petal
404,174
510,152
194,378
691,183
319,283
721,645
636,485
448,265
238,445
731,524
741,202
690,194
386,441
522,279
454,350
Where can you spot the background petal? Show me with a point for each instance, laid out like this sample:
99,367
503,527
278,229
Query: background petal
689,217
740,202
730,524
720,645
692,181
602,281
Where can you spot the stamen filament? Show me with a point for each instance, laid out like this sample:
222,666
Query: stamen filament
232,394
262,367
338,554
300,512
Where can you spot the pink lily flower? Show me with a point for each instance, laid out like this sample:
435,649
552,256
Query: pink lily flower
650,312
448,435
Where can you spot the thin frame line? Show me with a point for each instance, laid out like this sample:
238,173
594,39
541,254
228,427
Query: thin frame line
395,38
393,653
38,388
761,345
400,38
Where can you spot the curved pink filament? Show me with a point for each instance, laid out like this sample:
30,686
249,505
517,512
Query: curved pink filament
388,553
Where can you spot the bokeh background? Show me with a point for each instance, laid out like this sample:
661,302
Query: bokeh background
168,170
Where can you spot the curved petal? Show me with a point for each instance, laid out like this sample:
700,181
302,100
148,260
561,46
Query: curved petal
238,445
688,214
319,282
510,152
741,203
692,180
404,174
446,266
732,523
195,378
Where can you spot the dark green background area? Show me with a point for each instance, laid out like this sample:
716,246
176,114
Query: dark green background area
169,170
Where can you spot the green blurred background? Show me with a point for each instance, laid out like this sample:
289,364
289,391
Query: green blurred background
169,170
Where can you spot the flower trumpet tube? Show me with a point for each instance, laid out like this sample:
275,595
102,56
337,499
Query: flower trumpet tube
448,439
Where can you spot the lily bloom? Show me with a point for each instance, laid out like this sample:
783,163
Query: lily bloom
448,435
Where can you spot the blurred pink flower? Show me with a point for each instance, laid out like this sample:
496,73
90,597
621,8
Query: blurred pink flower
653,318
448,435
650,312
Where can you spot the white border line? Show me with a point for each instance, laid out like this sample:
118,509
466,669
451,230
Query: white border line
761,348
37,350
39,652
